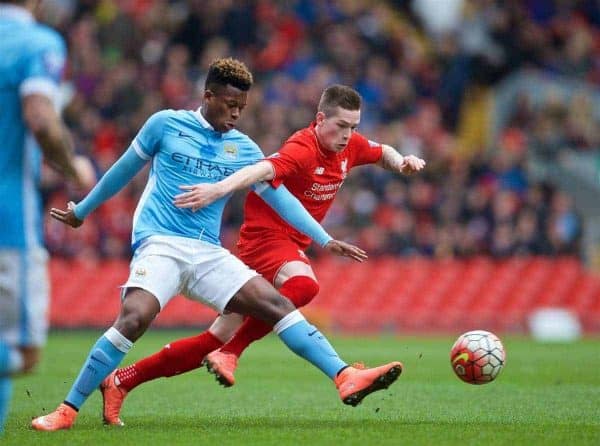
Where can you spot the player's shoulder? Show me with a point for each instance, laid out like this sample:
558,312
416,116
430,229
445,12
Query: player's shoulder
241,138
40,36
164,115
358,142
301,141
304,137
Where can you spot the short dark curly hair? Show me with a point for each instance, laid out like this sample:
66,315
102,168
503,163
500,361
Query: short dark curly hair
339,96
228,71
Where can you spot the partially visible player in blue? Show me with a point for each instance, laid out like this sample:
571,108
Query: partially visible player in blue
178,251
32,57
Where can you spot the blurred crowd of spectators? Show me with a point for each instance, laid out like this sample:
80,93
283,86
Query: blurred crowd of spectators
130,58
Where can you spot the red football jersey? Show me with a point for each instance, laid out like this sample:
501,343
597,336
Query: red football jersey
312,174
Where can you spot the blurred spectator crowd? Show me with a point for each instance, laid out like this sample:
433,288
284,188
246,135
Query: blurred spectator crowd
413,63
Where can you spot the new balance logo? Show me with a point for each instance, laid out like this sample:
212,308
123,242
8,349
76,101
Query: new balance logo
319,171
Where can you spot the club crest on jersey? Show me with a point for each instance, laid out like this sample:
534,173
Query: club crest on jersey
140,272
230,150
344,167
319,170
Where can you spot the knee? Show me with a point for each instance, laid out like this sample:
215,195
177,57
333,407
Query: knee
137,312
133,323
261,301
300,290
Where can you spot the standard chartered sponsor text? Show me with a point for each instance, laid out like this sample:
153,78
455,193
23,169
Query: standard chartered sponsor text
316,190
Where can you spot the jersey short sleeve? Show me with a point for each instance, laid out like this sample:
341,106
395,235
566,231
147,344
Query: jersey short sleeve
147,141
291,159
44,66
368,152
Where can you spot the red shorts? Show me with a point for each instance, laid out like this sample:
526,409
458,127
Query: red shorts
267,255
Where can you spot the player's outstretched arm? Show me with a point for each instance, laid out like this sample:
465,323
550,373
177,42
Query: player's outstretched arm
200,195
394,161
112,182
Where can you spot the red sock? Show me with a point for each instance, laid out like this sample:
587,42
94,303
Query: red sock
175,358
299,289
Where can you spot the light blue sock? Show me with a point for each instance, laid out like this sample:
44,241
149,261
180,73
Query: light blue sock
5,392
5,383
306,341
104,357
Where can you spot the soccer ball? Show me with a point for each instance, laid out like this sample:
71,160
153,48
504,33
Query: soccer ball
477,357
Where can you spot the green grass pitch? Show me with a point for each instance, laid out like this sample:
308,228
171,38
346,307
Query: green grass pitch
547,394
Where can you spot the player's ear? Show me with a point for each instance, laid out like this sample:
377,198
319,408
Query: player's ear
320,117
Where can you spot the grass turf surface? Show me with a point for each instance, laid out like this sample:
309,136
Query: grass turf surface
547,394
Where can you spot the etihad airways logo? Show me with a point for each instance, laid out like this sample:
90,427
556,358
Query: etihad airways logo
201,167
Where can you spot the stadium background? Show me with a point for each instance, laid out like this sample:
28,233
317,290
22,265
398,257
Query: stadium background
500,98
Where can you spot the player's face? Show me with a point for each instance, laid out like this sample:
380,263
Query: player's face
223,107
334,131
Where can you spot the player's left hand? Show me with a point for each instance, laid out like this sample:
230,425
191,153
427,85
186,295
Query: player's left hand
197,196
411,164
67,217
344,249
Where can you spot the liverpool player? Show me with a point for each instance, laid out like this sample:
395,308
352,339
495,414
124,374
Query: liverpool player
313,164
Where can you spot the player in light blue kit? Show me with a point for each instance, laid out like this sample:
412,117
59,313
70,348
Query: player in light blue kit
178,251
32,57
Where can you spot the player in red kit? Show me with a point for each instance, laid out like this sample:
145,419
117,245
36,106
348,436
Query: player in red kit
313,164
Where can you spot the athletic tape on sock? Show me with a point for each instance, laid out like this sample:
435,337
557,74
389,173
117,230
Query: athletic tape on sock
288,320
118,340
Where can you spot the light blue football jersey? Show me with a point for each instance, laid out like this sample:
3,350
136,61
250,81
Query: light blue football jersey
32,58
185,150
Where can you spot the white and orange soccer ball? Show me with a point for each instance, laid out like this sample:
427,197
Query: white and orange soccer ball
477,357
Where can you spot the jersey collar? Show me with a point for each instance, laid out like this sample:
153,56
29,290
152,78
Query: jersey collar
203,122
16,13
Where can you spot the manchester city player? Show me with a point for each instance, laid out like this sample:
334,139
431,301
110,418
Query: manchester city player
178,251
32,57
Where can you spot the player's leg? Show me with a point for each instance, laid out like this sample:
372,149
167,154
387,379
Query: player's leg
258,299
23,315
175,358
153,280
296,281
137,312
5,382
179,356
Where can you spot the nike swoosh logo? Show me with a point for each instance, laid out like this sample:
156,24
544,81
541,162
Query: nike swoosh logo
463,356
310,334
184,135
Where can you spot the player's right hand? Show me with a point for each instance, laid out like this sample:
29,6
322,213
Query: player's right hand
198,196
344,249
67,217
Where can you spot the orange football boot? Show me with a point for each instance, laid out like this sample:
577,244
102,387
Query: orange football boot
356,382
62,418
222,365
112,400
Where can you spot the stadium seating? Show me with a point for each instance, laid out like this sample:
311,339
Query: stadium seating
385,294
